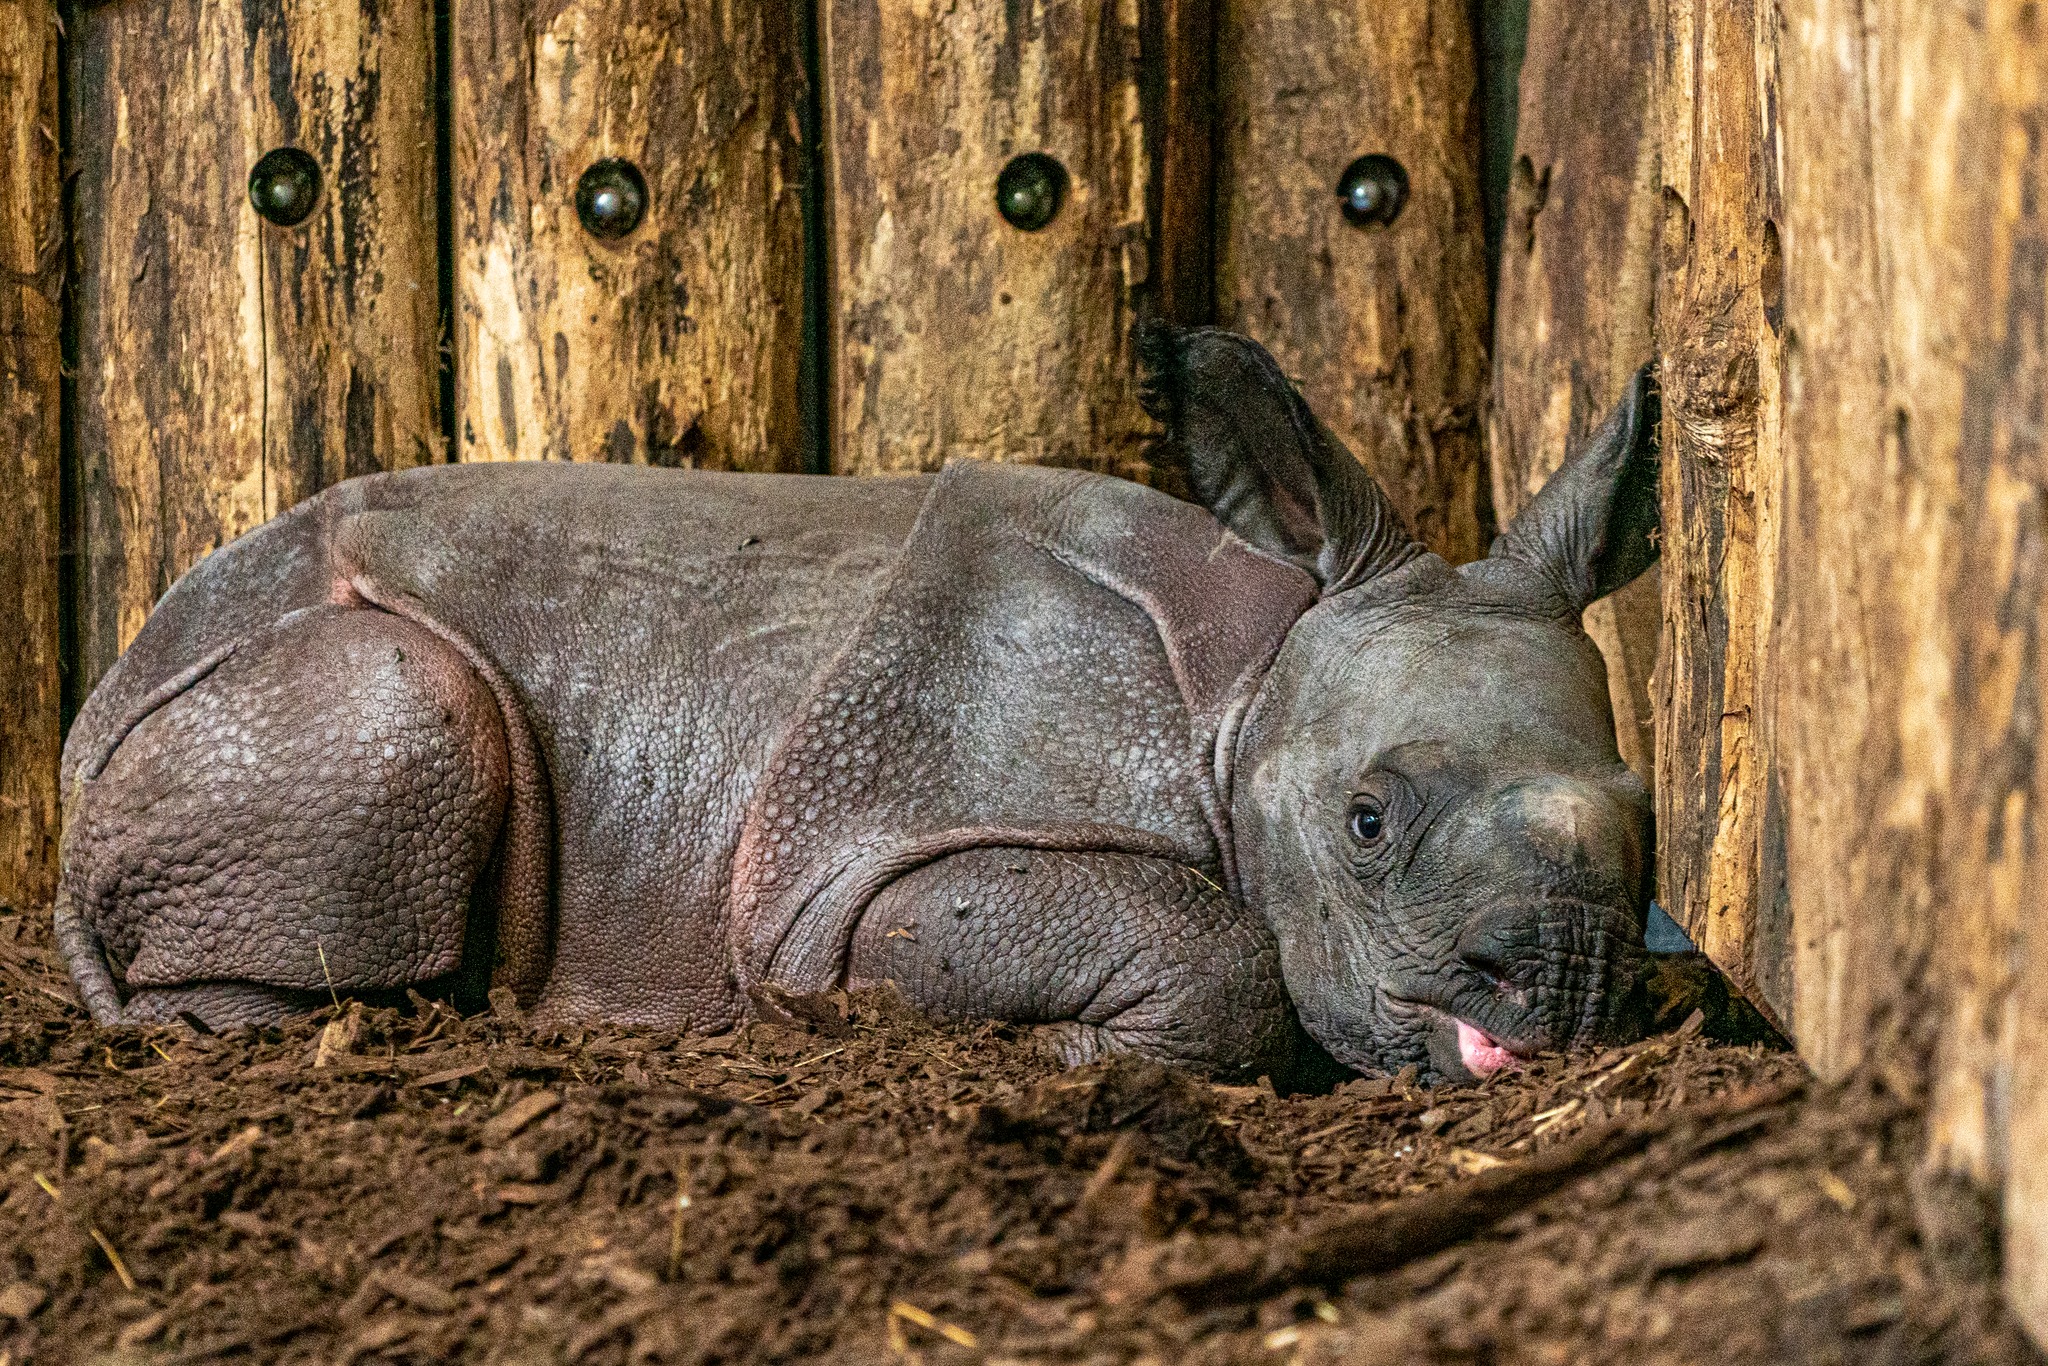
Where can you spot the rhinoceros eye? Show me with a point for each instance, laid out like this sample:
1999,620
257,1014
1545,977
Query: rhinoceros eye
1368,821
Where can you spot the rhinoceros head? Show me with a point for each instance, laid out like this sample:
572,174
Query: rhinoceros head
1428,805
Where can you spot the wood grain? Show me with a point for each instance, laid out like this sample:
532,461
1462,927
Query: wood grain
1574,308
228,367
31,289
1856,380
956,334
1386,328
679,344
351,306
1917,272
1722,460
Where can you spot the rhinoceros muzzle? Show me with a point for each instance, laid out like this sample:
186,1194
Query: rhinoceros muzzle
1527,978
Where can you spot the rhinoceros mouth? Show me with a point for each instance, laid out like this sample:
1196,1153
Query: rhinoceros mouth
1481,1051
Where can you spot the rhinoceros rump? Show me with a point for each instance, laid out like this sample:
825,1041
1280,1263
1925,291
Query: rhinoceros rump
1229,787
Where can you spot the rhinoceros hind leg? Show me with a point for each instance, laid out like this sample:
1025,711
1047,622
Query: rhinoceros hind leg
222,1005
315,813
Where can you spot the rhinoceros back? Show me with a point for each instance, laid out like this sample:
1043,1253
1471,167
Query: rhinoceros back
1047,667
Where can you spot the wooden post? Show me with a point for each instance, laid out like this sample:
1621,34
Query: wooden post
1574,310
1916,279
956,332
1856,511
1719,831
229,366
31,287
1384,326
679,342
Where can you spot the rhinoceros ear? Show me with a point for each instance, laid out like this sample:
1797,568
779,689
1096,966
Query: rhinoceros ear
1260,461
1594,525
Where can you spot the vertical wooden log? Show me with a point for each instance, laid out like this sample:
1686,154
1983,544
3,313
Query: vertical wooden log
1953,398
1573,313
170,315
679,342
2002,422
1177,80
1718,320
31,285
351,299
229,366
1385,326
1860,829
1856,381
955,332
1916,273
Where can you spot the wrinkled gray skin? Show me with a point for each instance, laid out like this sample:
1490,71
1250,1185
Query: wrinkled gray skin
525,725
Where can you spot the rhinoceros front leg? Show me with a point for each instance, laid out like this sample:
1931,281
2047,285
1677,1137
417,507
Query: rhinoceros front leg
1114,952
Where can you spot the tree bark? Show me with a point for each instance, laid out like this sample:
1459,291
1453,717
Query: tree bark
1718,319
1385,327
956,333
229,366
1916,269
31,288
1575,305
680,342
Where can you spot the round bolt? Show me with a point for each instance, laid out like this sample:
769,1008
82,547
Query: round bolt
1372,190
284,186
1029,190
611,198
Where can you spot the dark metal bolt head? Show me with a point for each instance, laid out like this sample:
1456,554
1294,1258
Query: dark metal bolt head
1029,190
611,198
1372,190
284,186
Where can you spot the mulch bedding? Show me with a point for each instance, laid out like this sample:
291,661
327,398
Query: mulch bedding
855,1184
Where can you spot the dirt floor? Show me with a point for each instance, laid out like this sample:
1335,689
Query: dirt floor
372,1185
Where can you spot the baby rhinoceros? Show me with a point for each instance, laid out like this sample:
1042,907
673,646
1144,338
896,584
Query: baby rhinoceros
1228,785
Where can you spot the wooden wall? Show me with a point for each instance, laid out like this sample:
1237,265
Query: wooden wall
31,285
1575,301
1852,318
1384,328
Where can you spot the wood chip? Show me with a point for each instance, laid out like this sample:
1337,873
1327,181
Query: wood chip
142,1330
32,1079
241,1143
813,1100
452,1074
924,1318
1470,1163
113,1258
20,1300
522,1193
1105,1175
518,1115
1836,1189
421,1294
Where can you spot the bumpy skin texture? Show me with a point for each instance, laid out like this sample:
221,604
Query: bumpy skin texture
634,742
1049,666
334,832
652,632
708,664
1148,950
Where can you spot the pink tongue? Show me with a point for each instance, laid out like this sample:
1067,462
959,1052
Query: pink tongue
1481,1055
